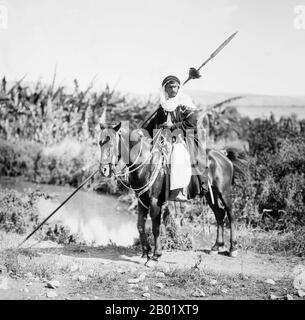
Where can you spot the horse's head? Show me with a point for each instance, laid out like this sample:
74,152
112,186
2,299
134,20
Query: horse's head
109,146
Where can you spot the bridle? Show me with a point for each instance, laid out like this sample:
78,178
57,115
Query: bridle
127,169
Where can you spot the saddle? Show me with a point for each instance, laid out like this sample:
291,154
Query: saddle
198,184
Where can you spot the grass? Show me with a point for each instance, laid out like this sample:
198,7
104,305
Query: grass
225,286
106,280
285,243
182,284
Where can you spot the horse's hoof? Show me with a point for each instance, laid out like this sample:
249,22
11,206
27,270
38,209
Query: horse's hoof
143,259
151,263
217,248
222,249
213,252
233,253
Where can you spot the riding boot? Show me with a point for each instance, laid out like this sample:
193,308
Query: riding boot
203,184
181,196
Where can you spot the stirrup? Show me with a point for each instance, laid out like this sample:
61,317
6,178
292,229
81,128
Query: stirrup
204,188
181,198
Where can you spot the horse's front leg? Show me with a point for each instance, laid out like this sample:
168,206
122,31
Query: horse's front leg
155,214
233,242
142,217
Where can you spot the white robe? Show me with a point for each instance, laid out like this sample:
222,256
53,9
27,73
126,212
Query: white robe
180,162
180,166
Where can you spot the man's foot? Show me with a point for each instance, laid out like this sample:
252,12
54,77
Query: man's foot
181,197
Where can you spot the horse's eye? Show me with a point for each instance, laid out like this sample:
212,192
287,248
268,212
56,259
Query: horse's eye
101,143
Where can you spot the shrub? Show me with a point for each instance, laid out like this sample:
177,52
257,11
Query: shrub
17,211
19,214
18,158
273,242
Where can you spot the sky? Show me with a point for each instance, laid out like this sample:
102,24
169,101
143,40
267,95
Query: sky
134,44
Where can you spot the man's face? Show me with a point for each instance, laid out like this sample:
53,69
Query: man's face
172,89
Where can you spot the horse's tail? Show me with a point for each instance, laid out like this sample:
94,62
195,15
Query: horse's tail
239,160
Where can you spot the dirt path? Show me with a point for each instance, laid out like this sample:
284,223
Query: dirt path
105,273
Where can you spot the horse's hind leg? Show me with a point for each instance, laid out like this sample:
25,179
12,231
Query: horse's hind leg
219,215
228,205
142,217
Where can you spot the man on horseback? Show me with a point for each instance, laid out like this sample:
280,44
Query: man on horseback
176,114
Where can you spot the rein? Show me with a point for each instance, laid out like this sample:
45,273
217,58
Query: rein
141,190
121,173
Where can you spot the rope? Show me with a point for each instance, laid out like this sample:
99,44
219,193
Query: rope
121,174
141,190
145,206
145,185
154,177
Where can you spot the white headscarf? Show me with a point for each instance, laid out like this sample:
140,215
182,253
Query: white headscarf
170,104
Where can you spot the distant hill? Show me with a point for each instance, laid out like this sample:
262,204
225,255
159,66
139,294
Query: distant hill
249,100
252,105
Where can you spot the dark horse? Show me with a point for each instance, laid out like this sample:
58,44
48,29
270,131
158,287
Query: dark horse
147,176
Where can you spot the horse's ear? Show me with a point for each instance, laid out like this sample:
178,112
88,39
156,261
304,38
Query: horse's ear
117,127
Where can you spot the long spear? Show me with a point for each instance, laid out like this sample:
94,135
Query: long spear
49,216
194,73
